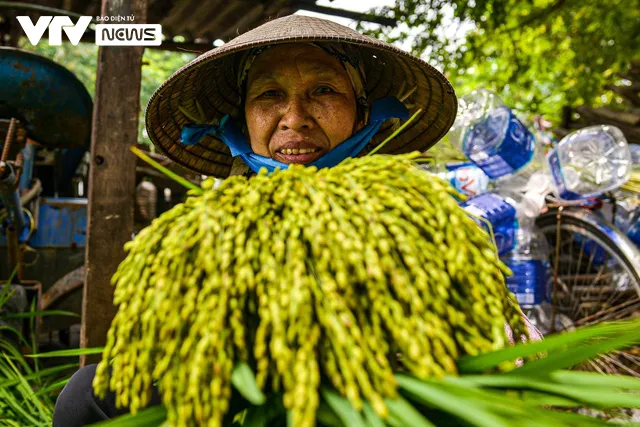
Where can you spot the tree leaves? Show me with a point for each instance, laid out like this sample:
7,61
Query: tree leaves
539,55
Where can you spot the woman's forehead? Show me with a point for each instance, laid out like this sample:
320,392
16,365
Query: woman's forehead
301,58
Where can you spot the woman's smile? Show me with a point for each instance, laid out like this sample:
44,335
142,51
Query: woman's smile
298,152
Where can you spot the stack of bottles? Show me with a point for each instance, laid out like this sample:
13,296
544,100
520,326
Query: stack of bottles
584,165
509,176
520,245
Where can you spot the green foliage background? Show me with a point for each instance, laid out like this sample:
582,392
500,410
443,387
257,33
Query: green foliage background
540,55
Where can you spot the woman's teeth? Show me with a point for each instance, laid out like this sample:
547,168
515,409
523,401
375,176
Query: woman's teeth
288,151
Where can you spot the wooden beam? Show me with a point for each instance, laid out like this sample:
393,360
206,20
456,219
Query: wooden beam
357,16
111,176
627,92
594,116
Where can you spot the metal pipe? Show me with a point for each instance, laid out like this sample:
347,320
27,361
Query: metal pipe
29,153
8,140
27,197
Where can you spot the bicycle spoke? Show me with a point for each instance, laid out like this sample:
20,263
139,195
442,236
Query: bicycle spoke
594,281
579,260
617,363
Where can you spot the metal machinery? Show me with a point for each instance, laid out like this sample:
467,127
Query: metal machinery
45,129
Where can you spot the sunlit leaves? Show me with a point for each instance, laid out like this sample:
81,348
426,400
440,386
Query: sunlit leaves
540,55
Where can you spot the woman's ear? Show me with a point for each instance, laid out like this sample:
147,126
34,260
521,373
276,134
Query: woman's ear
359,124
360,117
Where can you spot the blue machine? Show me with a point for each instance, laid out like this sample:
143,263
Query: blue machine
45,113
50,102
52,109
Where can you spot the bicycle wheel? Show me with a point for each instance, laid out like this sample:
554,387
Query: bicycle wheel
596,271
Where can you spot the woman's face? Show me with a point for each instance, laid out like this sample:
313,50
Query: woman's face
300,104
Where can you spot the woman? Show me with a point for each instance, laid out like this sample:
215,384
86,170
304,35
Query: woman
294,90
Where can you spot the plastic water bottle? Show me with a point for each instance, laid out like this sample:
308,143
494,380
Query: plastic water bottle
628,221
519,181
531,279
467,178
490,135
506,212
635,154
589,162
529,262
633,231
500,213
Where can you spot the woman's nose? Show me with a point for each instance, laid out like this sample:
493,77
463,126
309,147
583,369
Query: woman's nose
296,115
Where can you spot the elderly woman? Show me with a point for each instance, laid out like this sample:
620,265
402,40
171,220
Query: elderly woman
294,90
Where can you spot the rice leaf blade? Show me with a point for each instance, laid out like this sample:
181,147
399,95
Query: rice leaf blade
244,381
347,413
150,417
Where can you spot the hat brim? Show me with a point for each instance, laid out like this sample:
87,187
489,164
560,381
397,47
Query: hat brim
211,80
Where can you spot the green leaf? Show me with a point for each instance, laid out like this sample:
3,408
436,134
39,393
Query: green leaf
604,332
537,398
569,419
395,133
40,374
17,406
572,356
327,417
593,379
15,332
150,417
371,418
32,314
403,411
466,409
177,178
255,417
21,396
55,386
347,413
596,397
244,381
68,353
259,416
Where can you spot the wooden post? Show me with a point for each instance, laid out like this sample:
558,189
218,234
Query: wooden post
112,175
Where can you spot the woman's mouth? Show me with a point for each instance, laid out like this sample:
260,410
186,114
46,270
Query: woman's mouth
297,155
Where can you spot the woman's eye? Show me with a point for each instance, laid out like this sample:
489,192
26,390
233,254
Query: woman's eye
269,93
325,89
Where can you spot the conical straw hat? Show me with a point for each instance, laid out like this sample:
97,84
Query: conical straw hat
211,80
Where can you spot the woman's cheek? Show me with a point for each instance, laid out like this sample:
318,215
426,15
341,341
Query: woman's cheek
260,126
337,120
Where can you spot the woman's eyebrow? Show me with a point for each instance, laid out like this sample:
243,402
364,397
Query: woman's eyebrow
264,78
317,71
321,71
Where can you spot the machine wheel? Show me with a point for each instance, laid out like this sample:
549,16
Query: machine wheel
68,287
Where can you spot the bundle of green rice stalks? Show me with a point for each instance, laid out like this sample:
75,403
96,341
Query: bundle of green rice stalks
355,295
